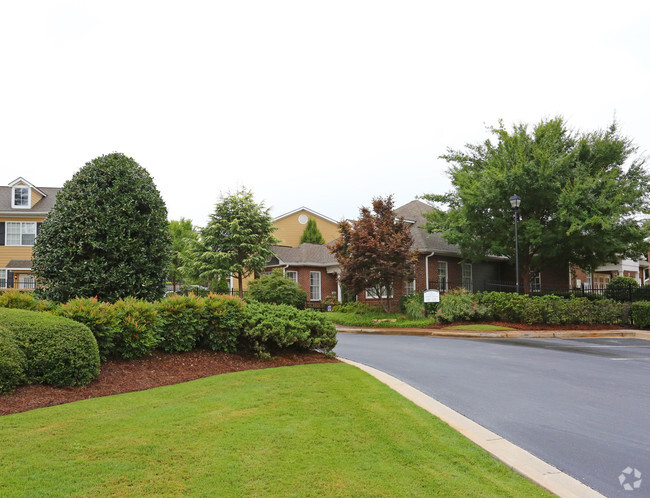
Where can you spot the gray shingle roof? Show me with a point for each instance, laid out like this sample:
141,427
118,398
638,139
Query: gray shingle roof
422,240
19,263
42,206
304,255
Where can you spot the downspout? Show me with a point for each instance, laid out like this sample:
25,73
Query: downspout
284,270
426,268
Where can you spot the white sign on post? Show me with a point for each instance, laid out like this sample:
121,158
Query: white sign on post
431,296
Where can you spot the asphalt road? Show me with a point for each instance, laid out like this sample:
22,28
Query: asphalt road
582,405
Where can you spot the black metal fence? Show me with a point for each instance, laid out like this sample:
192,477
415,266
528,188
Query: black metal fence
628,292
29,284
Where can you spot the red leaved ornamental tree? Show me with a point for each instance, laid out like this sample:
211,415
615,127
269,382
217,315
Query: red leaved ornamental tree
375,251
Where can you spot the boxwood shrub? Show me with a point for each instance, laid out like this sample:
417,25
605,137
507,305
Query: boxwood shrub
179,322
222,322
12,363
269,327
58,351
640,314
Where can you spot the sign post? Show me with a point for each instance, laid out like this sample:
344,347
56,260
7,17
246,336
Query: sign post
430,296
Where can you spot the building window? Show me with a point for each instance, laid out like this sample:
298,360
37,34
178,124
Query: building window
409,287
466,270
20,198
535,282
372,294
26,281
442,276
20,233
3,279
292,275
314,285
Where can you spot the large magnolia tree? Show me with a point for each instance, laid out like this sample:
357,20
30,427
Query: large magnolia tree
106,236
375,251
581,196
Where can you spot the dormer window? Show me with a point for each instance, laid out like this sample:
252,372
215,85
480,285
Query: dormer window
21,197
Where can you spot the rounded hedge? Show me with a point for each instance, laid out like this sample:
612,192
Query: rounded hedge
58,351
12,363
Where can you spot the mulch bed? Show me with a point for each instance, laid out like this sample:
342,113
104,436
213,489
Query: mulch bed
160,369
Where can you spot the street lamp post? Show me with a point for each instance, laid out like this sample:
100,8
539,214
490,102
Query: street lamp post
515,201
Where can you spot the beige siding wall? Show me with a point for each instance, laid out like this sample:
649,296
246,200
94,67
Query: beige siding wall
35,197
7,253
289,229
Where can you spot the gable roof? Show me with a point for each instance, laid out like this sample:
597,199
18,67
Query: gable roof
424,241
303,255
20,179
43,206
310,211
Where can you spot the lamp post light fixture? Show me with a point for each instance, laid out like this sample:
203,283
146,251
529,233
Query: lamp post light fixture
515,201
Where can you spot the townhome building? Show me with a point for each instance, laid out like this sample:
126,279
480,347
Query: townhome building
23,207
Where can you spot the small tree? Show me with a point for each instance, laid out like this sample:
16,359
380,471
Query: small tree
375,251
235,242
311,234
106,236
277,289
182,233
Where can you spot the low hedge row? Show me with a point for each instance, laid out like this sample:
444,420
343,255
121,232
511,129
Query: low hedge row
552,310
132,328
39,348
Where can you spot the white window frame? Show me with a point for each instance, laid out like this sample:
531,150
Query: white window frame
21,234
13,197
314,287
443,285
467,280
26,281
3,278
410,287
535,282
371,294
292,274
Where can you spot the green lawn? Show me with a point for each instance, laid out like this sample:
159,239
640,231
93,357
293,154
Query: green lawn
314,430
365,320
479,327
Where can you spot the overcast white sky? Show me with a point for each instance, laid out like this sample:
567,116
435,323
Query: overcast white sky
319,104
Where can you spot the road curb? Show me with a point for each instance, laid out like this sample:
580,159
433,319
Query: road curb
505,334
518,459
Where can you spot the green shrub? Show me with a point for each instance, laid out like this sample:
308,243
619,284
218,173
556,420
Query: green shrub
12,363
136,332
179,322
18,300
621,288
99,317
356,307
58,351
459,306
552,310
640,314
330,302
270,327
277,289
222,322
197,290
413,306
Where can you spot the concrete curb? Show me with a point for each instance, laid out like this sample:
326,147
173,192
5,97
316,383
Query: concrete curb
509,334
518,459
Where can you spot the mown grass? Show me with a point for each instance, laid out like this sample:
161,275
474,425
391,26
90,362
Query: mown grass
313,430
479,327
365,320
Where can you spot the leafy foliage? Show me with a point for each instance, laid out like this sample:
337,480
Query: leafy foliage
106,236
57,351
99,317
235,242
640,314
461,306
136,334
277,289
12,363
269,327
182,232
578,203
621,288
311,234
375,251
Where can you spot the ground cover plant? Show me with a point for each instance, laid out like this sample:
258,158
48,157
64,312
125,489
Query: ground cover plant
378,319
314,430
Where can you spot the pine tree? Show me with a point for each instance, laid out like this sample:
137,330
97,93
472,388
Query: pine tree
312,234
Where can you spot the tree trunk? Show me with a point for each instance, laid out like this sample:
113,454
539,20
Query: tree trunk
240,280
